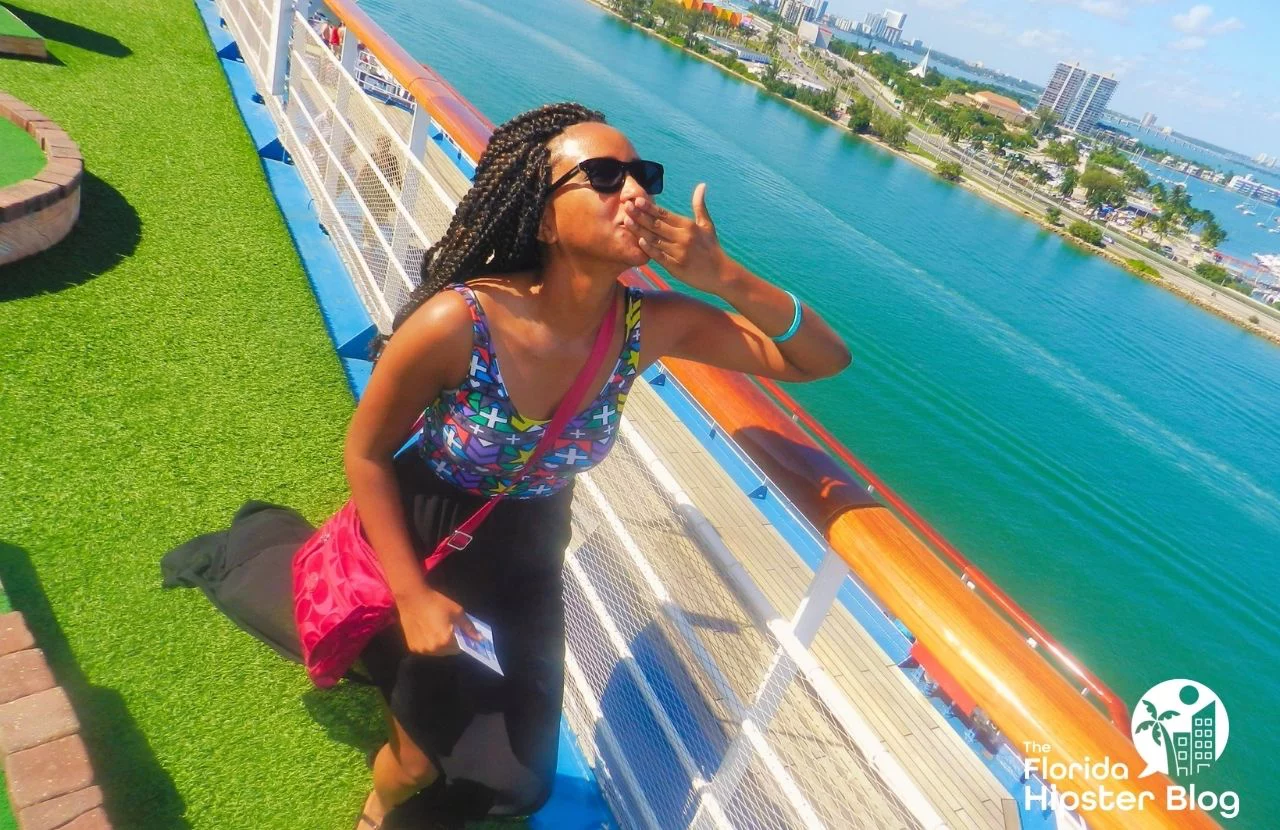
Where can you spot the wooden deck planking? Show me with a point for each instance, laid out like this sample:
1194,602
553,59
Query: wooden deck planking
941,764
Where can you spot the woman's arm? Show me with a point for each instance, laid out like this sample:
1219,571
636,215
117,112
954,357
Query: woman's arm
424,355
679,325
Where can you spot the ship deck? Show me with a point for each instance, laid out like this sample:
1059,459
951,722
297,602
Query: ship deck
962,790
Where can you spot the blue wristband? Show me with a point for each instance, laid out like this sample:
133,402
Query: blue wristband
795,321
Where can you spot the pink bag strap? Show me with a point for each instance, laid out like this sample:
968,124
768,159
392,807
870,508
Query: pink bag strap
461,536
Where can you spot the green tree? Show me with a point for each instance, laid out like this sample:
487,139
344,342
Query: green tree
1102,187
1086,232
1069,180
860,113
1053,214
1136,177
891,128
1212,235
1179,202
1064,153
949,170
1042,123
1213,273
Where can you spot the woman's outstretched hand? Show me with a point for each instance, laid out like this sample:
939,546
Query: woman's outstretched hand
428,619
688,248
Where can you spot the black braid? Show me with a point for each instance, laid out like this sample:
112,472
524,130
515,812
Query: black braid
495,228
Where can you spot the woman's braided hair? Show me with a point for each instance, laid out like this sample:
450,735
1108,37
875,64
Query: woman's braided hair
495,228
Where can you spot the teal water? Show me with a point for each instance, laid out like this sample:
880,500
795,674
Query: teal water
1105,451
1244,237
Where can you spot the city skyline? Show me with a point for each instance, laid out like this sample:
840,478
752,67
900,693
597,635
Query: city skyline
1206,70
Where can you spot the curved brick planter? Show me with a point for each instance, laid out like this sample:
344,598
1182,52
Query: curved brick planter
37,213
46,765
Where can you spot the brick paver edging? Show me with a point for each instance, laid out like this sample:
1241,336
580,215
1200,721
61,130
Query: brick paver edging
46,764
37,213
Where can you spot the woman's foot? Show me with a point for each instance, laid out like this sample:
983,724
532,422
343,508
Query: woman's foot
372,814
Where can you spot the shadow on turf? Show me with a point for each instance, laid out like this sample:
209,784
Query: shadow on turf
137,790
349,714
107,231
72,34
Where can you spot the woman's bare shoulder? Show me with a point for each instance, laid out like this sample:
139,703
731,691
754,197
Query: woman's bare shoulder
438,334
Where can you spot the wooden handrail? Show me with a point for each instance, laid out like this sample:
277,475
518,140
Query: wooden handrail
1116,708
462,122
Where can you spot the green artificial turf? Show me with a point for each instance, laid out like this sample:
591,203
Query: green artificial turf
7,821
160,366
20,155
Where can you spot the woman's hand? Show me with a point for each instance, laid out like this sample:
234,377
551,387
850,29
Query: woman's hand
428,619
688,248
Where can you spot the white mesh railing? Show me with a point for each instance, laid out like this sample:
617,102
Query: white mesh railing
691,688
696,702
249,22
385,190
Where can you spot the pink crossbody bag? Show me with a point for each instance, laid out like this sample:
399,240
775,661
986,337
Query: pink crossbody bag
340,595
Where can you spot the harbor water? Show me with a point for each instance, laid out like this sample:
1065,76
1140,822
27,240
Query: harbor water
1104,450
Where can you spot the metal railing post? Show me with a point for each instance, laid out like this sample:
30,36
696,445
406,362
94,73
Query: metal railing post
350,51
278,60
403,235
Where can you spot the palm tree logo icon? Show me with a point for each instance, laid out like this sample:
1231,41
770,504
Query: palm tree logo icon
1185,730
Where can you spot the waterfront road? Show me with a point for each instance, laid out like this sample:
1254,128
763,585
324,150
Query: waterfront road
1230,303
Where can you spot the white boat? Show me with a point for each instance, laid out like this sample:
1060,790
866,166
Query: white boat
1247,212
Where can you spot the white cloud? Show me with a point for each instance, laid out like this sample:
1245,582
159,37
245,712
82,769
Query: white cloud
1122,65
1193,19
985,23
1055,41
1104,8
1188,44
1110,9
1231,24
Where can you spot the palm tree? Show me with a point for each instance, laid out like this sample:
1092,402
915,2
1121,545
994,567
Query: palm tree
1158,733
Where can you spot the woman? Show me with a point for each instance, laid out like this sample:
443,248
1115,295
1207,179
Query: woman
561,205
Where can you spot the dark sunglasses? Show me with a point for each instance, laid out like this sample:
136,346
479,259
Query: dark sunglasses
607,175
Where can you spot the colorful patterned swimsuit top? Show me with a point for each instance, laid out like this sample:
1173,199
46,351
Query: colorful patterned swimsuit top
473,438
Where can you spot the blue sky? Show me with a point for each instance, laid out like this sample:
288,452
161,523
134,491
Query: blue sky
1211,70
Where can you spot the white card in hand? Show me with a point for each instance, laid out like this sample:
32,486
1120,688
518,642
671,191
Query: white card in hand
481,649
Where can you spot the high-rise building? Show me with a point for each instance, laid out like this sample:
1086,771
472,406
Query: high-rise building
1078,96
810,13
893,23
873,25
1148,120
791,10
819,36
822,9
